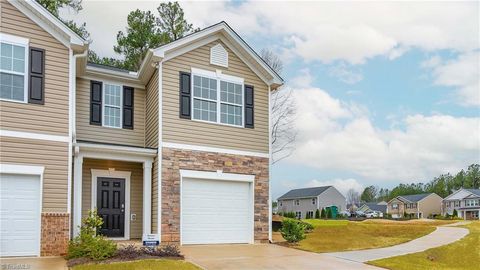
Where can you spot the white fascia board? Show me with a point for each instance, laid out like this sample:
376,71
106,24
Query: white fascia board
114,149
48,22
21,169
214,149
218,175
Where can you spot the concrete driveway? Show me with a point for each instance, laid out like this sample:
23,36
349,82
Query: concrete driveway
263,256
34,263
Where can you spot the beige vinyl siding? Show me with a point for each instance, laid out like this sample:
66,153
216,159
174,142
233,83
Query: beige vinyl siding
87,132
430,205
177,130
151,117
52,117
136,188
53,156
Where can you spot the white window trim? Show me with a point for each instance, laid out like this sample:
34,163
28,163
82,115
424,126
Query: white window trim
23,42
113,174
104,105
218,76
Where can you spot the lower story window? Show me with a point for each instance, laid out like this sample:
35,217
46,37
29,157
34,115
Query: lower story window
298,215
309,214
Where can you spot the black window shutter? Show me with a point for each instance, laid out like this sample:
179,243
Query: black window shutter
128,107
95,103
248,106
36,76
185,94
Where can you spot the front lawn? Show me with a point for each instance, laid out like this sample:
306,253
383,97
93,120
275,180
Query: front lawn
141,265
463,254
343,235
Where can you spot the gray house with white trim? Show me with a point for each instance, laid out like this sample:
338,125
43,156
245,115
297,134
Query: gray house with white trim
465,201
305,201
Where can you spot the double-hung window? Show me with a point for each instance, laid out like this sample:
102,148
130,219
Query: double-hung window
217,98
112,108
13,68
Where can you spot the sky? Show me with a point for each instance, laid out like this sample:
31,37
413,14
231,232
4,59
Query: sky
385,92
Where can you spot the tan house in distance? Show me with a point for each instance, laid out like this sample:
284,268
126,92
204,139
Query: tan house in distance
417,206
179,148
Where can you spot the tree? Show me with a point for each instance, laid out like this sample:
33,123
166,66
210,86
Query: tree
353,197
369,194
323,213
317,214
283,113
473,176
171,21
140,35
455,213
329,212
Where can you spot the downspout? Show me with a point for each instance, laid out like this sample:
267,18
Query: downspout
269,166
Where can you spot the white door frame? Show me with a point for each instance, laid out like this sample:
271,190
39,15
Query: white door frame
29,170
220,176
114,174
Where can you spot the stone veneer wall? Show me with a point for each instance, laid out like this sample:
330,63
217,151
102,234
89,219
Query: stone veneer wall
175,160
55,234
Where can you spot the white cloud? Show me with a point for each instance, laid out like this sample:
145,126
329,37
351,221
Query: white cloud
303,79
316,31
343,185
462,73
345,74
336,135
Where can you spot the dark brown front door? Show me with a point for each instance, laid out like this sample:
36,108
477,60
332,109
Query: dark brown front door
111,206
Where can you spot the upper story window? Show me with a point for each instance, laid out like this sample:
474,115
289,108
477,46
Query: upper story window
395,206
13,68
281,204
314,201
297,202
112,106
471,202
457,203
217,98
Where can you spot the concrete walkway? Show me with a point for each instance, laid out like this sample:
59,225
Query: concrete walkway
443,235
265,257
34,263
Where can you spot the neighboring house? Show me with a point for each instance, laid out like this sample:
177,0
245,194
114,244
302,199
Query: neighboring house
180,148
371,207
418,205
352,207
465,201
305,201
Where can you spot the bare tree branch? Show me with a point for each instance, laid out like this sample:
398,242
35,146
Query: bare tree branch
283,114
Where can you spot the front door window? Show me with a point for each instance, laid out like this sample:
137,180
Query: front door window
111,206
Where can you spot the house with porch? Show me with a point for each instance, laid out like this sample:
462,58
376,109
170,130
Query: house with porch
178,148
466,202
416,205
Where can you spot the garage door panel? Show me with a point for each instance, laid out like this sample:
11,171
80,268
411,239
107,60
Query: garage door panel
215,212
20,215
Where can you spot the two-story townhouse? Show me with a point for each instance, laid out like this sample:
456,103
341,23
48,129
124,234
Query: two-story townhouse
417,205
304,202
465,201
180,148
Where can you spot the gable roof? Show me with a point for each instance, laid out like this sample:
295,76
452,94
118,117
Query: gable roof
304,193
54,26
376,207
227,35
415,197
474,191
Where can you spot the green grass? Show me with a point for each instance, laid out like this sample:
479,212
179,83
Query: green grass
141,265
342,235
463,254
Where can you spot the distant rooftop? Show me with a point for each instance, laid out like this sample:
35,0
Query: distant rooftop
415,197
377,207
474,191
109,67
304,193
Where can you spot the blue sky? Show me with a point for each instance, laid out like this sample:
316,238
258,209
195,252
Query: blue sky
386,92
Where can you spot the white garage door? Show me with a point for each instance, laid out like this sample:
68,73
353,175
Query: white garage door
216,212
19,215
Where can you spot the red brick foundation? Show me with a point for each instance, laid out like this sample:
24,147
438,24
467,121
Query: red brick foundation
55,234
175,160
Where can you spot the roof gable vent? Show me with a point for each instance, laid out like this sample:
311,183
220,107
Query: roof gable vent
219,56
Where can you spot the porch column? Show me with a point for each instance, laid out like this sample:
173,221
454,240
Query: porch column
77,193
147,196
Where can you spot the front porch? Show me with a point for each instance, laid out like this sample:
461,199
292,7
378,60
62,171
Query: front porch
117,182
470,214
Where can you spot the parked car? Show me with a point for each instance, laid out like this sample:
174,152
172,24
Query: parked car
359,214
374,214
346,213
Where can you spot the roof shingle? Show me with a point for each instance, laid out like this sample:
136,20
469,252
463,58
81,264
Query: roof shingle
303,193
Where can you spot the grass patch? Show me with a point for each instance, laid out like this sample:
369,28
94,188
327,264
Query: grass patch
463,254
342,235
144,265
326,223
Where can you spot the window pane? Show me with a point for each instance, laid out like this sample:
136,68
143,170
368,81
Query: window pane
112,95
231,114
12,86
6,63
6,50
19,52
204,110
18,65
205,88
197,81
231,93
112,116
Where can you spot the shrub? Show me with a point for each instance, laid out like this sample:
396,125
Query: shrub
329,212
88,244
289,214
323,214
317,214
292,231
455,213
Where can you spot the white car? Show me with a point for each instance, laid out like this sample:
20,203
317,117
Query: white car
374,214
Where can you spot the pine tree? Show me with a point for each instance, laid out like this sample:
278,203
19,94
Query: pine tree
317,214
